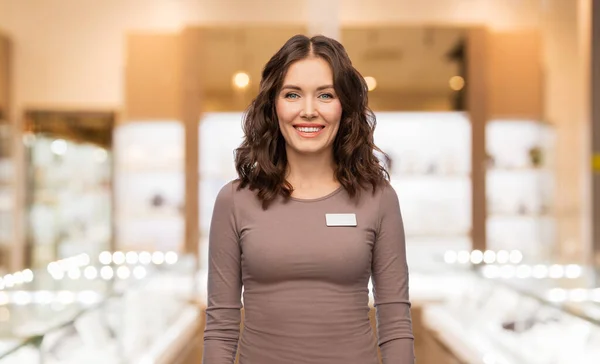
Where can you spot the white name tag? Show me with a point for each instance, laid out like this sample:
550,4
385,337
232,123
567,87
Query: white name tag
340,219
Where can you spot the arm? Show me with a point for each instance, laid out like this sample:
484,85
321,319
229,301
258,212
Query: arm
224,283
390,284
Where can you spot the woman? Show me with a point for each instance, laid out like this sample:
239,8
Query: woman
311,218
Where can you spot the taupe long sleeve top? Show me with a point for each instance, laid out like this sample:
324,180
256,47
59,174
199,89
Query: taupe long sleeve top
305,283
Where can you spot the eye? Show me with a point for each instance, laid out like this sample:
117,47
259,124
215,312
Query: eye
326,96
292,95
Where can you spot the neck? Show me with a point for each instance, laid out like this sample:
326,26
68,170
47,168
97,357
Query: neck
306,171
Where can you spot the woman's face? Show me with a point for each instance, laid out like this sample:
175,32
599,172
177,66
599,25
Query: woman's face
308,108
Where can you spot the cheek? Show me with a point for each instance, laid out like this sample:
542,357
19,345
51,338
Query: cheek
333,113
285,112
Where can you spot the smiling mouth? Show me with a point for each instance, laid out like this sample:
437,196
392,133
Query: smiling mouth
309,129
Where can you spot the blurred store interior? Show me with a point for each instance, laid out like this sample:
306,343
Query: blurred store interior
118,120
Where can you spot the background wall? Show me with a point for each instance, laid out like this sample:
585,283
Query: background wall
71,53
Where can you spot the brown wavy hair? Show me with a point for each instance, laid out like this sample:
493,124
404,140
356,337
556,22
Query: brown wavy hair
261,160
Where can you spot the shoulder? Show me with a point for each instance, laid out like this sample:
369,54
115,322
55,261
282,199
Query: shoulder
232,194
387,199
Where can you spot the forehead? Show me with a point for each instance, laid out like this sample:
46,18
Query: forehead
311,71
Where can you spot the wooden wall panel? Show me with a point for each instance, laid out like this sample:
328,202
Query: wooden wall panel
4,76
153,77
515,75
477,90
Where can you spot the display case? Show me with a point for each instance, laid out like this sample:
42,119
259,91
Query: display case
69,197
520,187
429,164
117,309
515,320
149,185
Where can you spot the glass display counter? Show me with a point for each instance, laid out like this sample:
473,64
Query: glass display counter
507,319
117,308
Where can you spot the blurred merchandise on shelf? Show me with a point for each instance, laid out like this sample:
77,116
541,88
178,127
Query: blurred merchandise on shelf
69,198
149,185
520,187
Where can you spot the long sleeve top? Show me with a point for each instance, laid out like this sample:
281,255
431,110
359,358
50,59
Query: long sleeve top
305,284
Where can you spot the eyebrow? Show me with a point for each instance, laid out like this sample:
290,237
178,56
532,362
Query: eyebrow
297,88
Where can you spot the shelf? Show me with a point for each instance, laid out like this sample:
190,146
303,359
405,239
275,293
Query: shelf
519,170
520,216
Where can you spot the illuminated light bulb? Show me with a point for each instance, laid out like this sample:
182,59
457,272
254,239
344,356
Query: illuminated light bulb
573,271
489,257
145,258
516,257
9,280
18,277
131,258
74,273
557,295
28,275
524,271
123,272
171,258
450,257
22,298
105,258
476,257
90,272
139,272
43,297
456,83
87,297
106,272
371,83
463,257
158,258
118,258
578,295
507,271
491,271
59,147
58,275
54,267
65,297
83,260
241,80
556,271
502,257
540,271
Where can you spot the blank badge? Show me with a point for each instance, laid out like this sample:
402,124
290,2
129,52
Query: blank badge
340,219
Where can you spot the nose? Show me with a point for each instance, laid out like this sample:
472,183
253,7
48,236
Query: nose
308,111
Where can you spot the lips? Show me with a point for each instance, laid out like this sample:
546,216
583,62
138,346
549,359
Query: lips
308,130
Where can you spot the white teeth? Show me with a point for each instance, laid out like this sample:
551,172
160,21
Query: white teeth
308,130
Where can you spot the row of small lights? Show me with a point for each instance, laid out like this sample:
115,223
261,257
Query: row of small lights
132,258
22,298
16,279
574,295
539,271
241,80
78,266
479,257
